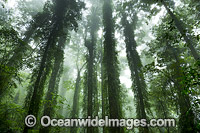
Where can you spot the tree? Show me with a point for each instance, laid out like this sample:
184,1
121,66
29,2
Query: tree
110,65
62,60
23,49
184,32
58,21
169,52
186,119
8,36
91,73
135,65
51,97
75,107
181,27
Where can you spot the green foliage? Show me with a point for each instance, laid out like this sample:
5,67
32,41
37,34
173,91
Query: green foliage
175,75
5,75
11,116
8,73
61,101
191,77
31,58
69,84
9,41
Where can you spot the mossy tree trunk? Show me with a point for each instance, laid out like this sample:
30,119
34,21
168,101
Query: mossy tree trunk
110,65
51,96
135,65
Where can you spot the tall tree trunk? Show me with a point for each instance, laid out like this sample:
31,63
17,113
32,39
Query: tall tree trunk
54,82
91,69
104,91
90,85
95,98
180,26
50,45
75,107
75,112
91,80
135,66
110,63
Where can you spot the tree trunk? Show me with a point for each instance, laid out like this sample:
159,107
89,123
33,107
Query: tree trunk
53,83
110,63
104,91
90,86
50,45
91,70
95,99
135,66
75,110
91,79
75,107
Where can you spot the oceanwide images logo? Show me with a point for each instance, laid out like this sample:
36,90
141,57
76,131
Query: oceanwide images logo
46,121
30,121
